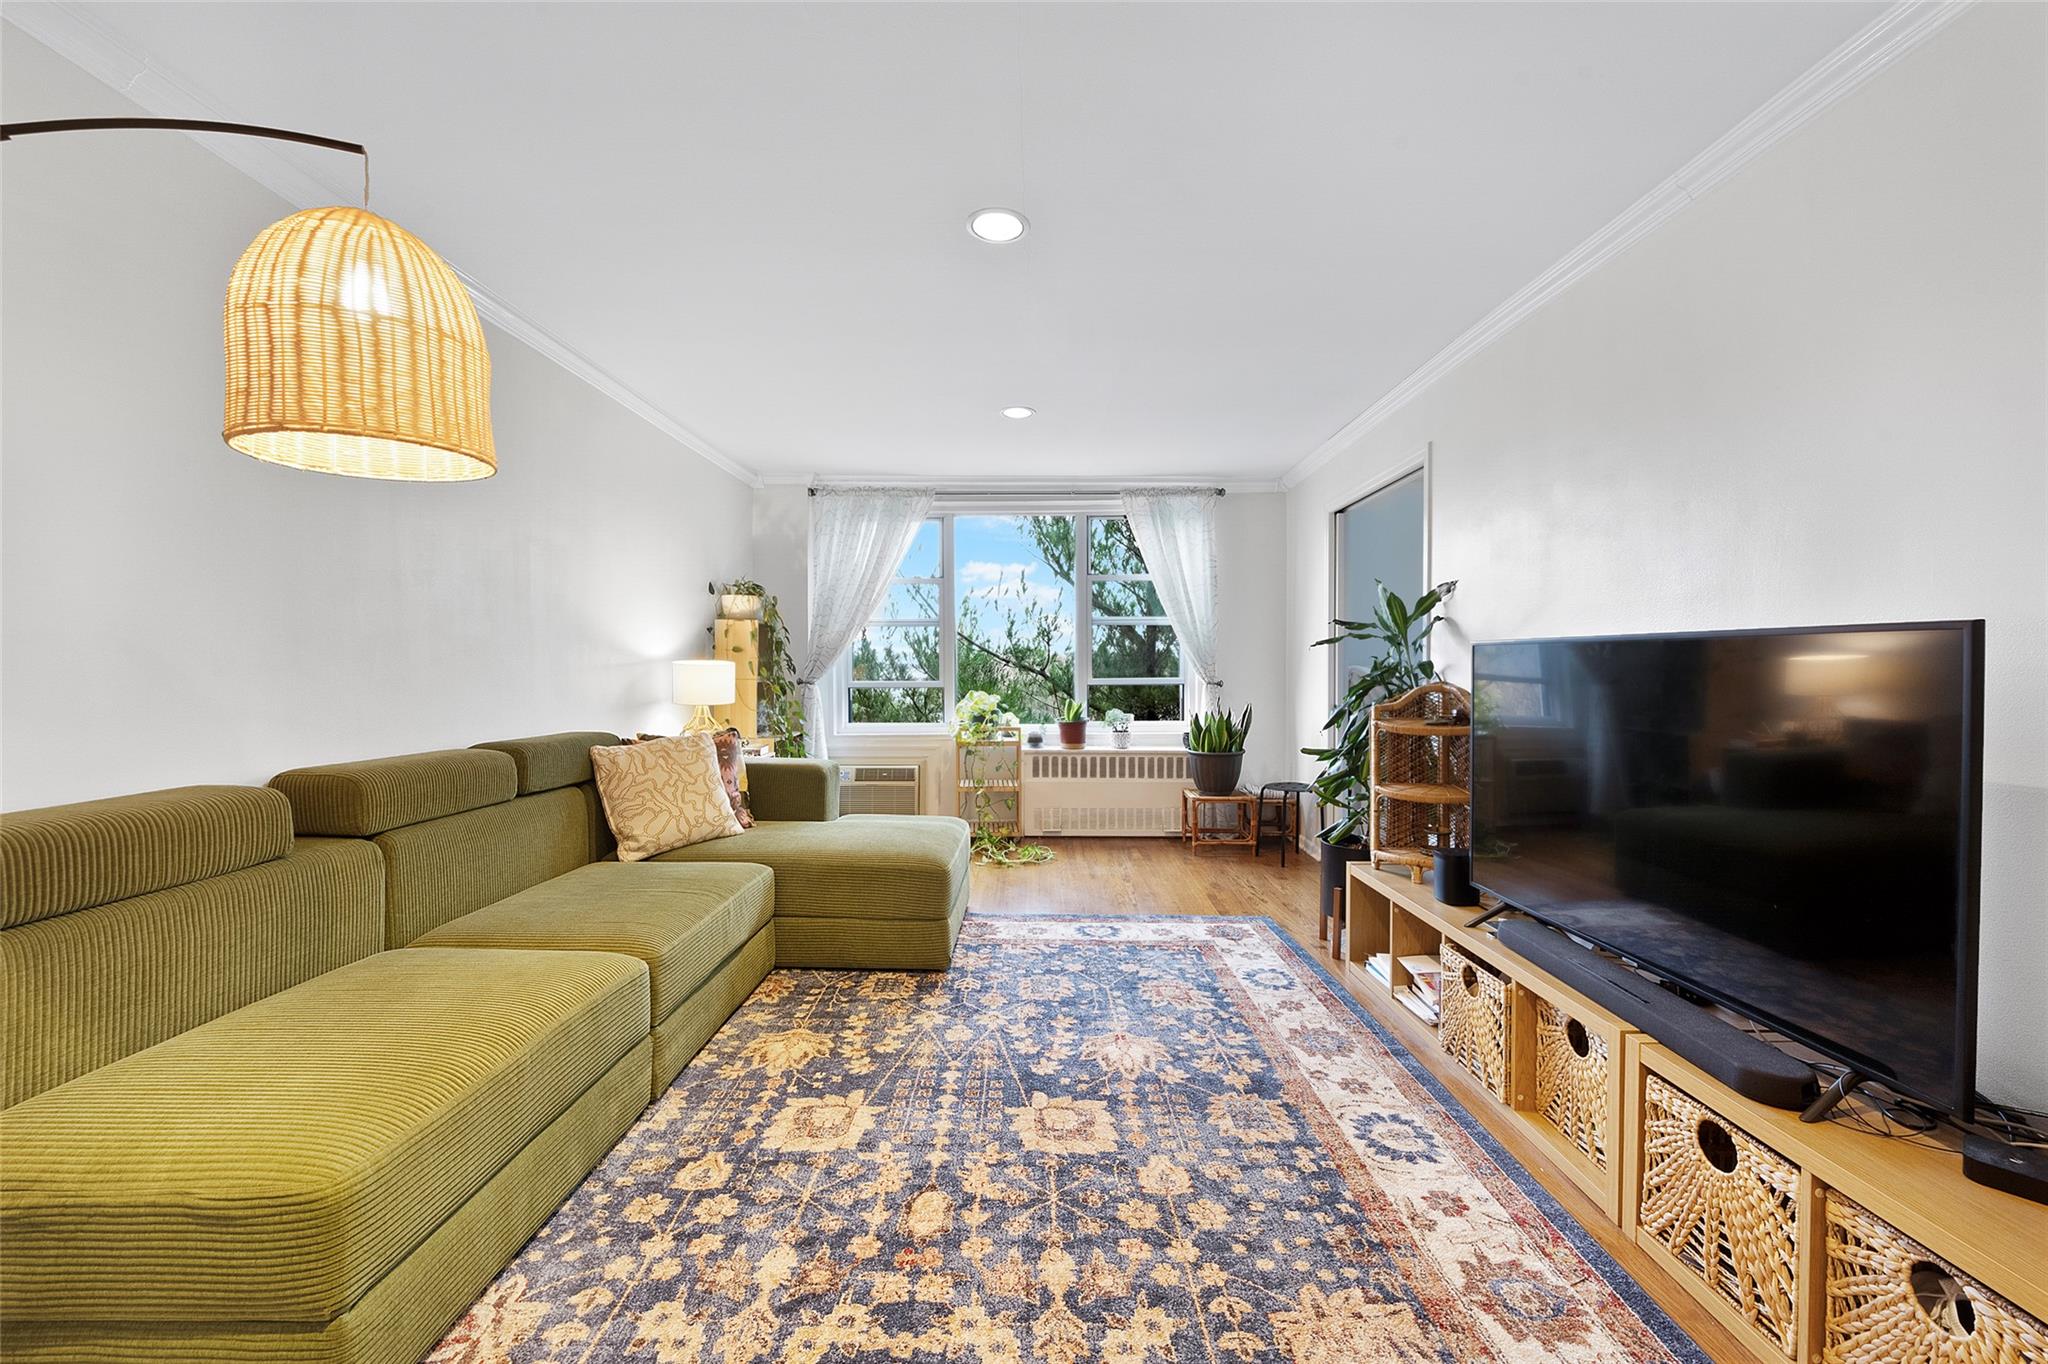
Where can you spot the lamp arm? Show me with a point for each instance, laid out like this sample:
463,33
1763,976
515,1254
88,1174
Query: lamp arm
9,131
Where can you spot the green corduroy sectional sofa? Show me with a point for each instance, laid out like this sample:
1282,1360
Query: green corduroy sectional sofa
292,1072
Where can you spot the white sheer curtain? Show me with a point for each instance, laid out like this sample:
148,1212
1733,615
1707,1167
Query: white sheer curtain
1176,532
858,537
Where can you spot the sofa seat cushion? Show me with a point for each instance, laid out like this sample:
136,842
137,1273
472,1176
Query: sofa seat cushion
855,867
274,1164
682,921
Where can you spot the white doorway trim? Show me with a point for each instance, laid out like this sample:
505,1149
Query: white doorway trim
1420,459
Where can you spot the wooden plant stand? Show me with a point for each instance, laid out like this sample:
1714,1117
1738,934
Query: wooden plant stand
1421,778
990,777
1242,833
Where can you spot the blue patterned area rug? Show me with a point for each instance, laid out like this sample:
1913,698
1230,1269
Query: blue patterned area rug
1093,1141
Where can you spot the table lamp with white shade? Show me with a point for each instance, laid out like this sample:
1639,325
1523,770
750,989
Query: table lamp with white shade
704,683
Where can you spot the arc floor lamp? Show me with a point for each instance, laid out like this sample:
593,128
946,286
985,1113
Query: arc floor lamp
351,347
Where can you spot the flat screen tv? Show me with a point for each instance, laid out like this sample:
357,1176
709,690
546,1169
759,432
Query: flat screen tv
1784,822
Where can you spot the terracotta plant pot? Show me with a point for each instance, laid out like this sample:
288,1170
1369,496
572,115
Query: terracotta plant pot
1073,733
1215,774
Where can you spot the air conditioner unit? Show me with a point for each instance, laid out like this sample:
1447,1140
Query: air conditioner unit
880,788
1117,794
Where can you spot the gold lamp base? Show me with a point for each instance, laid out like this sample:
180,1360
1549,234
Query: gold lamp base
702,721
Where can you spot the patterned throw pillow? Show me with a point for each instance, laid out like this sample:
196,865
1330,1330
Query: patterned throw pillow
663,794
732,770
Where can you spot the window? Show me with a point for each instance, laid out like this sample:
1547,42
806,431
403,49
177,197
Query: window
897,674
1034,608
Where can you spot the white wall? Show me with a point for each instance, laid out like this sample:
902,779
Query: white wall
176,612
1815,396
1250,529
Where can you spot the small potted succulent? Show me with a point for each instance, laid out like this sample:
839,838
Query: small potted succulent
1215,744
1073,725
739,599
1119,722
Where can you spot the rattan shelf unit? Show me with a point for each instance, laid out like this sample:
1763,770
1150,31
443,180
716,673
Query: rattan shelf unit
1421,777
1816,1246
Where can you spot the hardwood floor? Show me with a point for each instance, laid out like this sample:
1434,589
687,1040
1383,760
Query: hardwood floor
1162,876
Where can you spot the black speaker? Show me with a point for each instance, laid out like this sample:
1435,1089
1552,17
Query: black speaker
2019,1170
1751,1067
1454,879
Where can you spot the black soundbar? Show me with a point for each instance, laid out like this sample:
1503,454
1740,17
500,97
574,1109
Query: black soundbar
1749,1066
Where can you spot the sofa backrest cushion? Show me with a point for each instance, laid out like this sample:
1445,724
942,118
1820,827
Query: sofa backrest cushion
548,762
65,858
81,990
444,868
364,799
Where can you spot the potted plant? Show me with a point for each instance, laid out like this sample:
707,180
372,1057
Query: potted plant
1119,722
979,716
1399,634
740,599
1215,744
1073,725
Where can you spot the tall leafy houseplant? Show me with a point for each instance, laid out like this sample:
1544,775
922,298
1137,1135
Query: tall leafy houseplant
1399,634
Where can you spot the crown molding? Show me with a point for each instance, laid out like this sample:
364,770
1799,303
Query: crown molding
107,56
1883,41
995,484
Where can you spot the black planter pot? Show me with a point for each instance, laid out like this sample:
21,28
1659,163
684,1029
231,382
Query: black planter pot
1336,862
1215,774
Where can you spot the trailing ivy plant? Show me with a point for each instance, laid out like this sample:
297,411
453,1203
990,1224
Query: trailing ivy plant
781,701
1399,633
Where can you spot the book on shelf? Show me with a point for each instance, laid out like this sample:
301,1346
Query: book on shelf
1415,1004
1425,973
1380,965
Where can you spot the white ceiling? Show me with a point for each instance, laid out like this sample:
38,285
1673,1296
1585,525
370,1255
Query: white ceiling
1249,221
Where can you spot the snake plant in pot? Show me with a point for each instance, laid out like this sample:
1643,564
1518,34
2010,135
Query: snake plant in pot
1398,634
1215,743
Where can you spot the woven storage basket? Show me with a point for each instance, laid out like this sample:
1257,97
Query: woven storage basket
1571,1089
1473,1018
1877,1278
1725,1205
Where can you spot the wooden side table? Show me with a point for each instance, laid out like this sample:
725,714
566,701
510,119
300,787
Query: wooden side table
1242,833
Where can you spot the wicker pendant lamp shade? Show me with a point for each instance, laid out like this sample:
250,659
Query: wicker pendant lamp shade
353,349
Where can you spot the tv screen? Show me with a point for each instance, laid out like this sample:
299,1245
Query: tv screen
1783,821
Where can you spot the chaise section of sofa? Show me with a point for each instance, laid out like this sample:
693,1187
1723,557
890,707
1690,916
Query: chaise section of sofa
861,892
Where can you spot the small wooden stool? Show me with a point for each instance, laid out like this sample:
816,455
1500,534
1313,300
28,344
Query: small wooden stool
1243,833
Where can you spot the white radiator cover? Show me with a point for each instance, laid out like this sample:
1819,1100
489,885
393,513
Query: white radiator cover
1115,794
880,788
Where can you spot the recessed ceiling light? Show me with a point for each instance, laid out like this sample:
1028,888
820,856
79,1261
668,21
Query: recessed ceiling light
1017,414
997,225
